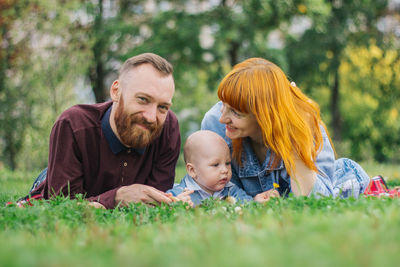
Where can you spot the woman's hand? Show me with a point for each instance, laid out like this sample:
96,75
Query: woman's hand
266,196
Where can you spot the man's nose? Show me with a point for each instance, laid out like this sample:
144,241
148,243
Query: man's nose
150,114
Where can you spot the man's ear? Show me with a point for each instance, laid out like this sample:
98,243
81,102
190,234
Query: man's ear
115,91
191,170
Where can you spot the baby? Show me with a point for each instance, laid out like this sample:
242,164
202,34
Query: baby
208,166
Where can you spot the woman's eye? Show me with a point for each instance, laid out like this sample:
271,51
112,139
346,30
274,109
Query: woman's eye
236,113
231,110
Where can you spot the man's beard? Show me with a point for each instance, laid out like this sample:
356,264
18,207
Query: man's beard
131,134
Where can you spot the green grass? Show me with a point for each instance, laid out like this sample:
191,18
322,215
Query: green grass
15,184
389,171
283,232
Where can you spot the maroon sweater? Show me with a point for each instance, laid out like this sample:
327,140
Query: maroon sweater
86,157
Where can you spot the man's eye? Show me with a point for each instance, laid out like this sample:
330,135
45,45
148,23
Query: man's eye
142,99
163,108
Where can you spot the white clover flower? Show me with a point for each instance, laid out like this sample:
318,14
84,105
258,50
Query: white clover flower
231,199
238,210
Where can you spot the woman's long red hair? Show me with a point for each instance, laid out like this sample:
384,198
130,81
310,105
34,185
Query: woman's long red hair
289,120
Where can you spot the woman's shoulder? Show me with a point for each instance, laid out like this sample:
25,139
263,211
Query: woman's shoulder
211,121
212,115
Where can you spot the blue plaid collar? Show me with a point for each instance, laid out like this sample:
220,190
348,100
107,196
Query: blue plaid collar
192,185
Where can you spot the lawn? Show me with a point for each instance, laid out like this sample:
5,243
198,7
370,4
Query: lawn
283,232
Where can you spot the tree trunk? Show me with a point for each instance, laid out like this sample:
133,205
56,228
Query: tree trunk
335,108
97,72
233,53
10,150
97,77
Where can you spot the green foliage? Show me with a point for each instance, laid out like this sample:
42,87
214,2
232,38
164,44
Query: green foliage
205,40
14,101
315,56
42,64
58,53
371,101
112,29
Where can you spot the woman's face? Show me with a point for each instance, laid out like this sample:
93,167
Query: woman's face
240,125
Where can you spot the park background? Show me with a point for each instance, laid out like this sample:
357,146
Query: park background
344,54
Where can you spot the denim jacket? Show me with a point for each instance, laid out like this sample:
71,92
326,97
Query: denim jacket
342,177
199,194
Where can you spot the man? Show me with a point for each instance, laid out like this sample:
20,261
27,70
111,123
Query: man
120,151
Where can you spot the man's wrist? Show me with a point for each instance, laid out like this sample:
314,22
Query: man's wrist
118,195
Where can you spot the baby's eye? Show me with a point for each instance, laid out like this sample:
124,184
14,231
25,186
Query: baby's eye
215,164
228,163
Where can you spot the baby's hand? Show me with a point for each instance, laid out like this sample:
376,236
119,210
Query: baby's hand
266,196
185,196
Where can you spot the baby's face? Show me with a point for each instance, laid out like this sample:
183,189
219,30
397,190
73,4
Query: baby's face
213,166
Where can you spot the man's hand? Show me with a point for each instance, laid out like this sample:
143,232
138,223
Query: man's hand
97,205
266,196
185,196
140,193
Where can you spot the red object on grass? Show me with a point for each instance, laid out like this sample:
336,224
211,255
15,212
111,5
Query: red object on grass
26,200
377,187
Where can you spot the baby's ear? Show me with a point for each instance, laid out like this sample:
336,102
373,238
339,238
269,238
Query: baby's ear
190,170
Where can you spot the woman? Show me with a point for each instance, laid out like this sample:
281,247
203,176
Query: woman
277,137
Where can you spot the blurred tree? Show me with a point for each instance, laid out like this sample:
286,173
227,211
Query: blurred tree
40,63
315,56
370,93
14,104
204,39
60,61
113,29
48,47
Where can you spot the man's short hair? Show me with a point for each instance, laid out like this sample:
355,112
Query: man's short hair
159,63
